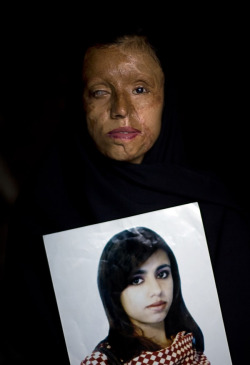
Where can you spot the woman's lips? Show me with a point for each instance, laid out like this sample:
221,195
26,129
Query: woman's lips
158,306
125,133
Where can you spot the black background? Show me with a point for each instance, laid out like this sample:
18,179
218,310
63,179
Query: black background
207,52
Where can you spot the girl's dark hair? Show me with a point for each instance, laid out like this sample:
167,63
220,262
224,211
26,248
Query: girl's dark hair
122,255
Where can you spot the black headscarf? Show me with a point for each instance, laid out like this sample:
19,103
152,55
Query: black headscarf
77,186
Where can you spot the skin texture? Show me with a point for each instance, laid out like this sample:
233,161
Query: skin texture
123,100
148,298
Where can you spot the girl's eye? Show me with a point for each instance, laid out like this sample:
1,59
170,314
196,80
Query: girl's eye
137,280
140,90
163,274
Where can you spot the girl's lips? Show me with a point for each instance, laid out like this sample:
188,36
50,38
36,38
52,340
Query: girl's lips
125,133
157,305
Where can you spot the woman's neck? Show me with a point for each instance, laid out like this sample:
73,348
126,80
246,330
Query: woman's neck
160,338
157,334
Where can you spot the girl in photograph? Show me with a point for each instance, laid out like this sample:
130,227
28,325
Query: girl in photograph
140,287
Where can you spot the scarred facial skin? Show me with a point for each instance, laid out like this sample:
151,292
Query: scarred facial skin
123,100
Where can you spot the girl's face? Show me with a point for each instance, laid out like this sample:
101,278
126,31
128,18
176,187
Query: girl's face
148,298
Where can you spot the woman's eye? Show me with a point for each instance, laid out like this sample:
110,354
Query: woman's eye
140,90
136,281
163,274
98,93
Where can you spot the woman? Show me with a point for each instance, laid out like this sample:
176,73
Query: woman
140,288
123,157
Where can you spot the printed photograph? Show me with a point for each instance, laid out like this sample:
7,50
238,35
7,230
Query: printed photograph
138,289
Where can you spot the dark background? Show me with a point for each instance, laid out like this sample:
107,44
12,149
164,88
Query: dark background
40,73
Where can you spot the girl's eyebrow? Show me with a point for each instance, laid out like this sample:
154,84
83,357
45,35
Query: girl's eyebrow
163,266
140,271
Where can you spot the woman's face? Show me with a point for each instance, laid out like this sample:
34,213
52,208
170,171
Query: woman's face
149,296
123,100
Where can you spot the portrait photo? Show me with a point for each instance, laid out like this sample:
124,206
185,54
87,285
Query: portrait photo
102,274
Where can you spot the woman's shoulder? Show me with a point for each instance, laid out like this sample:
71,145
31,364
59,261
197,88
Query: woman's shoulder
179,352
102,354
96,357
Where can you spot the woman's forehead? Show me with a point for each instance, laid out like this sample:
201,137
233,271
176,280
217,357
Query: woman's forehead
119,53
159,257
99,61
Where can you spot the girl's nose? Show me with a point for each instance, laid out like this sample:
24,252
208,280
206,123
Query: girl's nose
120,105
154,287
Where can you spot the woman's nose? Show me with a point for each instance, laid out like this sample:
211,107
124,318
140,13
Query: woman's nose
154,287
120,106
